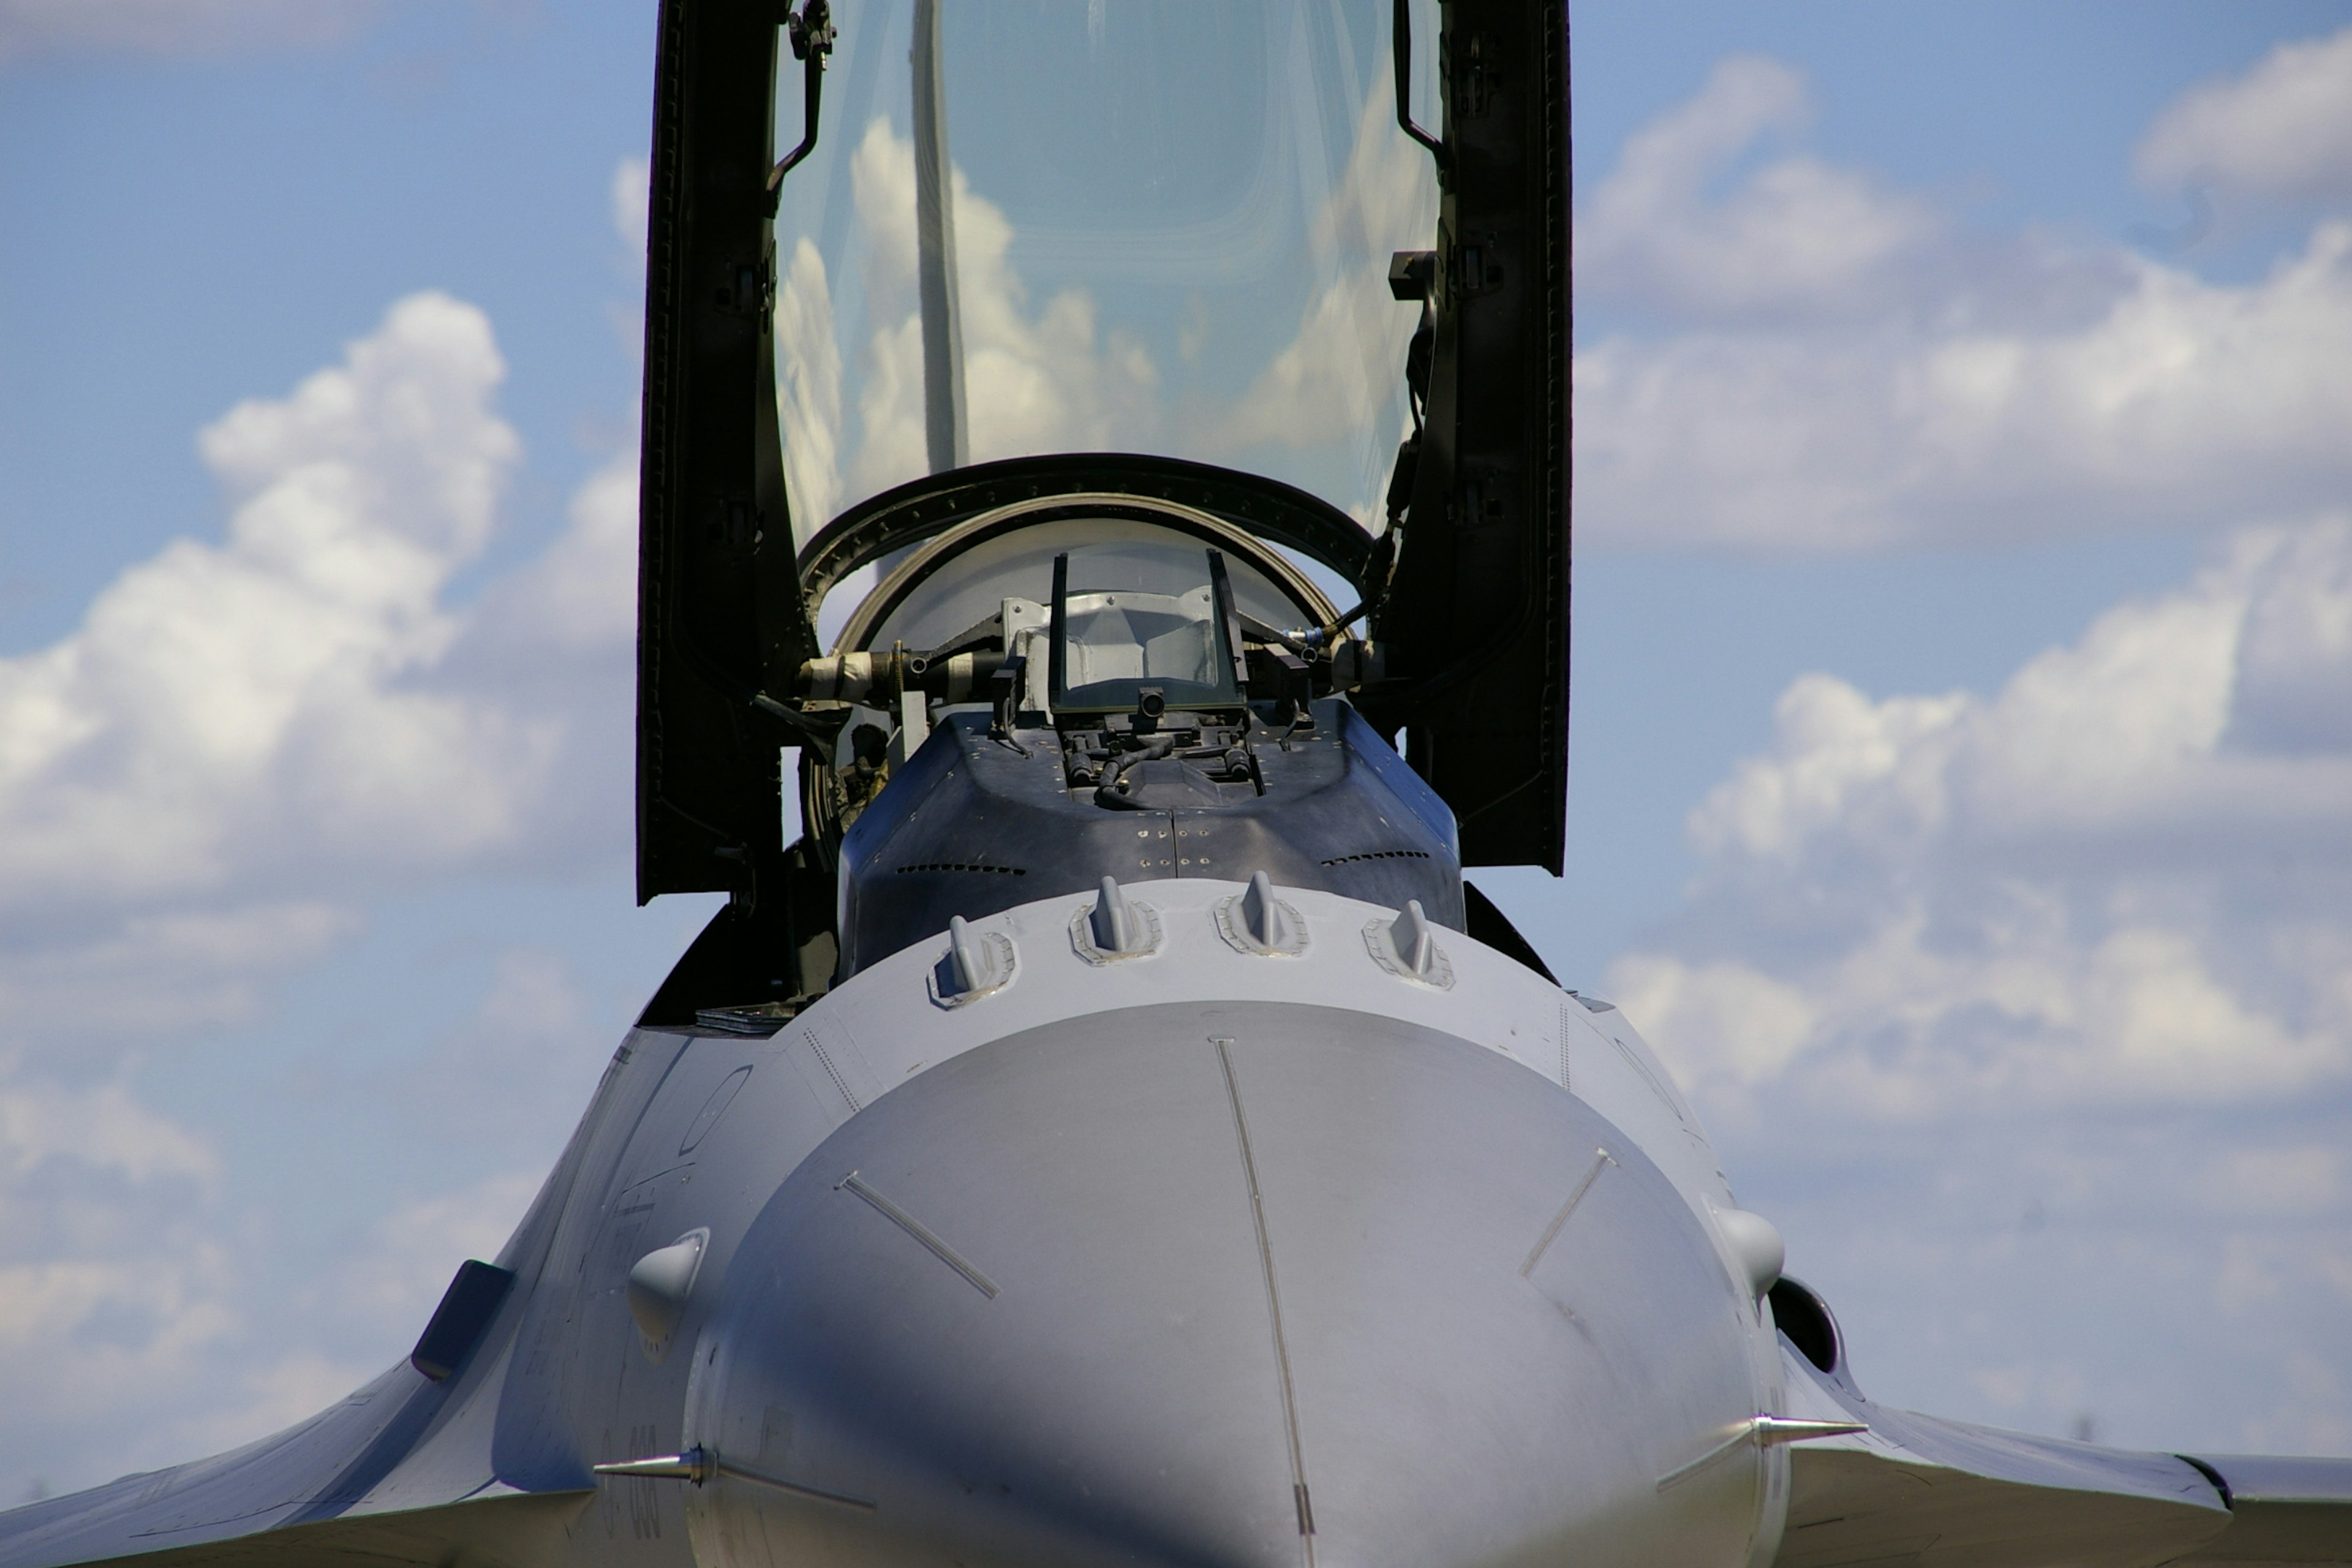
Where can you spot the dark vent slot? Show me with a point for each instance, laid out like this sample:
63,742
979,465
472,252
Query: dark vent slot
1379,855
961,865
459,1322
1802,1317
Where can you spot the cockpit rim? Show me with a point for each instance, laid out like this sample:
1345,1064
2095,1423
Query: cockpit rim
1215,532
1267,512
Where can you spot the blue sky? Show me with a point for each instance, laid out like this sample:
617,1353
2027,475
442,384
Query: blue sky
1959,784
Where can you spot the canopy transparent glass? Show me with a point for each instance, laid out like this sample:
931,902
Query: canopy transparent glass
1168,230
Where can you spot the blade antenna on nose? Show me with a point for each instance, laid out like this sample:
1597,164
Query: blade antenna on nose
1255,921
1114,921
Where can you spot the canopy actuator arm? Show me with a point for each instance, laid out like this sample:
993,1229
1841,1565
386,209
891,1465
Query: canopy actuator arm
1401,49
809,29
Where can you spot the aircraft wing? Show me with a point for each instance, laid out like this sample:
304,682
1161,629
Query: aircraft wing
393,1473
1918,1490
411,1468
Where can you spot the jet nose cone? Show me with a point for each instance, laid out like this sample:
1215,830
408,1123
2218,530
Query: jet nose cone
1246,1285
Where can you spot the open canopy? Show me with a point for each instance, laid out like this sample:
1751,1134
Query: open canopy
1174,245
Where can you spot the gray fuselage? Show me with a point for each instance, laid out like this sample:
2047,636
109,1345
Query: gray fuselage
1158,1259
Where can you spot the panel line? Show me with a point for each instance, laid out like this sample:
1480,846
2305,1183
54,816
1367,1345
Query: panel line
1552,1231
856,1183
1298,1493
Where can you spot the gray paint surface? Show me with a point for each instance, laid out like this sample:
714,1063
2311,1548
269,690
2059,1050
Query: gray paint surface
1501,1347
1123,1396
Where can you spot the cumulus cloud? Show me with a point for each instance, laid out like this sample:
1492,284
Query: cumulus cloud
176,27
238,726
101,1127
388,1290
1796,234
227,709
1847,369
2065,892
2033,1009
111,1285
632,188
131,1309
2280,131
203,786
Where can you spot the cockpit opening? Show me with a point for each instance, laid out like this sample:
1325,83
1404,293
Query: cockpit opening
1128,687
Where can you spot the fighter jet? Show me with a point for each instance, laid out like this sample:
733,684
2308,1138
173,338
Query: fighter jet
1111,1130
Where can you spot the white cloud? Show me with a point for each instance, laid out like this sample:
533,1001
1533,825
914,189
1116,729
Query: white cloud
388,1290
113,1291
2294,662
515,1074
1847,369
2281,129
579,595
240,730
229,711
244,742
101,1127
632,189
1796,234
2027,1015
2182,400
158,974
2067,894
176,26
251,738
